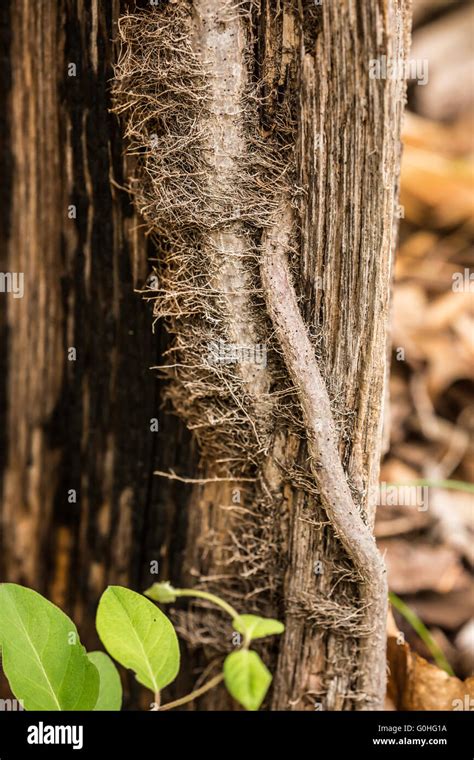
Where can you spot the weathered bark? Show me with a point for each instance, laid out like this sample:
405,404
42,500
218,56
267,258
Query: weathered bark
85,425
347,161
347,222
82,424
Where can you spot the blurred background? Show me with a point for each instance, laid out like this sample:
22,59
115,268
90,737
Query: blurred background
429,551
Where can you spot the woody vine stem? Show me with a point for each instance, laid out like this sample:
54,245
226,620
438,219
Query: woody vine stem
325,461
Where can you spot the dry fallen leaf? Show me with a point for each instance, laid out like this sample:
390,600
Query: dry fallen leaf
415,684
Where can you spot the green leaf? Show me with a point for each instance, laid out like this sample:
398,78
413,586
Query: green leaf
139,636
161,592
247,678
110,689
255,627
46,665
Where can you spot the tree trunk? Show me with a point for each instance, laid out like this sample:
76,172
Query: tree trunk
264,140
83,424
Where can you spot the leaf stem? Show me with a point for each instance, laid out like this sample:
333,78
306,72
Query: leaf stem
209,597
193,694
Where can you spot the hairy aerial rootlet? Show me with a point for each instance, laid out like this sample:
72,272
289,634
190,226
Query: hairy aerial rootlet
207,219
